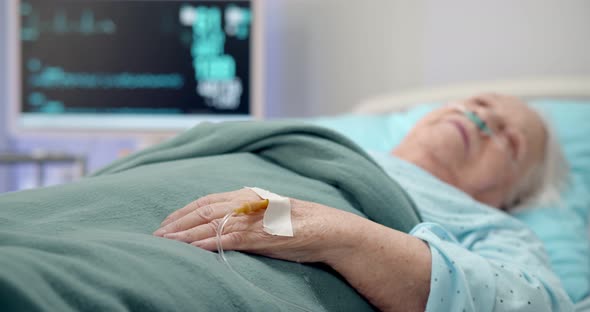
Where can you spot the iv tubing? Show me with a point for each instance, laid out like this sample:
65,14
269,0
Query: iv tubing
246,208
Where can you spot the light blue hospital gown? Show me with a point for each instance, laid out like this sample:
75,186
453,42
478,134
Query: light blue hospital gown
482,258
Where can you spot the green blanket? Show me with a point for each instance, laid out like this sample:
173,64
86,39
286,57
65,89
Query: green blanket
88,245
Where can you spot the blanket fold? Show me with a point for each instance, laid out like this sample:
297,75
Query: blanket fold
311,151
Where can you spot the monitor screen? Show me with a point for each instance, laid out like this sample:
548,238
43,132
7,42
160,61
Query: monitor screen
144,65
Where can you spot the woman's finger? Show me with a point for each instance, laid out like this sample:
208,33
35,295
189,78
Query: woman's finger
195,234
238,195
209,230
201,202
200,215
209,244
229,241
241,232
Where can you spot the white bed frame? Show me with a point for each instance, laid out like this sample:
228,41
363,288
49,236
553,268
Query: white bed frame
551,87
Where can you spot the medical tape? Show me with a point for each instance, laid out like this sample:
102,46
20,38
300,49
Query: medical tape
277,217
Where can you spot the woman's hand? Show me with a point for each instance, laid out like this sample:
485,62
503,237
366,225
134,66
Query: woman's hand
362,251
319,231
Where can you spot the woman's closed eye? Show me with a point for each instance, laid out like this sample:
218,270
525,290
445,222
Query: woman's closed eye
481,102
509,142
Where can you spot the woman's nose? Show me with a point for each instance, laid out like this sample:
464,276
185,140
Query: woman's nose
491,118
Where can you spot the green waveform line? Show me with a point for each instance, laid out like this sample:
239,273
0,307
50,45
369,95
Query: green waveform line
56,77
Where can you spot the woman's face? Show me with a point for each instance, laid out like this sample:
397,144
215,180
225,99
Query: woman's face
484,163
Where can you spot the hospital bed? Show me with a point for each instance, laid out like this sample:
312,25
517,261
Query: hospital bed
88,245
564,101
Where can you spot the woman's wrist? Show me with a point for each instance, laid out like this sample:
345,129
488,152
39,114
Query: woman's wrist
348,240
342,238
379,261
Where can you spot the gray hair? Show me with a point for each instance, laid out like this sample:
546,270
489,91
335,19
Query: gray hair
543,183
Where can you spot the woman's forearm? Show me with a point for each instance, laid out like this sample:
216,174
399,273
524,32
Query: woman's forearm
389,268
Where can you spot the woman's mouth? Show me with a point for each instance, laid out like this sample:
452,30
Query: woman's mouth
463,132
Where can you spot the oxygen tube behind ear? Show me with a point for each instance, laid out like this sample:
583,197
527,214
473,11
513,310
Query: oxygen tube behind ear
247,208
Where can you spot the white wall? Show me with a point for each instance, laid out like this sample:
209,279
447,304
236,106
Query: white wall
324,56
327,55
480,40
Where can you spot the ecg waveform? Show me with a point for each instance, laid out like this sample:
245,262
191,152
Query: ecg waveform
142,56
46,105
60,23
56,77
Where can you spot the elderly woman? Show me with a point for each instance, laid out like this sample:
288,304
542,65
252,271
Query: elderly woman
477,158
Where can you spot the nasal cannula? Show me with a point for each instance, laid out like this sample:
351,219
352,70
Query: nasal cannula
473,117
480,124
